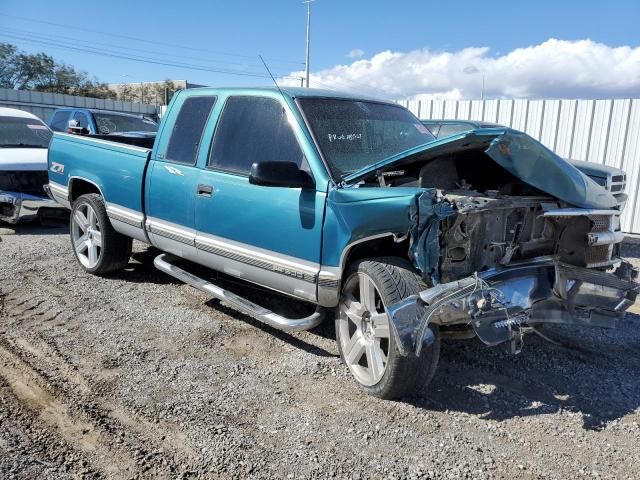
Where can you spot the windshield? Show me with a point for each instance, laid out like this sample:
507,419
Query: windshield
20,132
112,123
354,134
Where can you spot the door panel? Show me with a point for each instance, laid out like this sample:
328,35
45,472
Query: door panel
171,193
267,235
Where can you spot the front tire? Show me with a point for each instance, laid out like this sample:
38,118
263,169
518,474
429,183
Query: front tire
363,332
96,245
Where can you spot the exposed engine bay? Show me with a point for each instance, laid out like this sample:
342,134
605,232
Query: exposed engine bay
497,219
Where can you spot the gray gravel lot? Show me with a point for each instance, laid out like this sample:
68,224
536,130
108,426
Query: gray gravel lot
137,376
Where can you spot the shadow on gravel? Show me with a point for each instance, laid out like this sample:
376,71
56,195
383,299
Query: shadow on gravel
280,304
279,334
34,229
142,270
596,376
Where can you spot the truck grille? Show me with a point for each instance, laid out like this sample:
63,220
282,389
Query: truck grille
600,223
614,183
24,182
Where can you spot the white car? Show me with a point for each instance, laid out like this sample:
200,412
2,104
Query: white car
24,142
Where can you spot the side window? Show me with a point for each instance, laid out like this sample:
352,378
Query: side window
59,121
187,130
82,119
433,128
253,129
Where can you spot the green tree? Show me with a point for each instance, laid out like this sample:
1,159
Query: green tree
41,72
7,65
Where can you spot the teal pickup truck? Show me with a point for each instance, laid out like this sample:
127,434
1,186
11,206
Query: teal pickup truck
351,205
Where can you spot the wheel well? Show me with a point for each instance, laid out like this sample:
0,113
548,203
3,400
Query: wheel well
377,247
80,187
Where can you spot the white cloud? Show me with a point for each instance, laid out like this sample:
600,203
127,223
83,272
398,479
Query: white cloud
355,53
552,69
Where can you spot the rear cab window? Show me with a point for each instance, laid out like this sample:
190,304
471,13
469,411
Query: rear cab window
112,123
60,120
82,119
186,135
253,129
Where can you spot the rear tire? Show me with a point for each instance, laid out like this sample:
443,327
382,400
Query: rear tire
364,338
96,245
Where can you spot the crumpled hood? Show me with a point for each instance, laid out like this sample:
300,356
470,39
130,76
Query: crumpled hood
532,162
518,153
23,159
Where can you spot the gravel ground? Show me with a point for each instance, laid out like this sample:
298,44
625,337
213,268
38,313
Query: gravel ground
137,376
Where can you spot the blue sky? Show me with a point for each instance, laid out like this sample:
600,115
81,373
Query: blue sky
276,30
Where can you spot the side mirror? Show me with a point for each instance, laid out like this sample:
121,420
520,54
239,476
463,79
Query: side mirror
280,174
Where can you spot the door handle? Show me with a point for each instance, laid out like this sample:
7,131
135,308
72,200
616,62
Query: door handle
205,190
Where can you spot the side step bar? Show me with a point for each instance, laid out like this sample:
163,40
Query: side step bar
163,263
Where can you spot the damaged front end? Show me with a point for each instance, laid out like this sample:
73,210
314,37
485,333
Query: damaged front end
500,305
502,264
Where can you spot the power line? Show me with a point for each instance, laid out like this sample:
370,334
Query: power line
138,39
137,58
62,38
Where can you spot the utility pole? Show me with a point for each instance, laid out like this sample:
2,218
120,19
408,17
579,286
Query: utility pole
308,2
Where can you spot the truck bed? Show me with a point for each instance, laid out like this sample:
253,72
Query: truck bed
135,139
116,169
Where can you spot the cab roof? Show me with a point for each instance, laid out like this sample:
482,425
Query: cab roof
292,92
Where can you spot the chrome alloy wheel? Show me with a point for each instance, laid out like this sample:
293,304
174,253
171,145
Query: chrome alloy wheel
364,330
87,238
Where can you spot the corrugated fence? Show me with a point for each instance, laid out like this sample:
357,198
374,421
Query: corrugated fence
42,104
599,131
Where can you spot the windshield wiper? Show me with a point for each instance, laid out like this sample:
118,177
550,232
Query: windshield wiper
21,145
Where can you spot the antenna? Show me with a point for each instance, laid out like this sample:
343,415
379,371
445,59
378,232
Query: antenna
271,75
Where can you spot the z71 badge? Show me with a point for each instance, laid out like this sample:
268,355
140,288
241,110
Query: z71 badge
57,167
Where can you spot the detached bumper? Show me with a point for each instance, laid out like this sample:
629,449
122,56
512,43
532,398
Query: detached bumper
18,207
500,304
